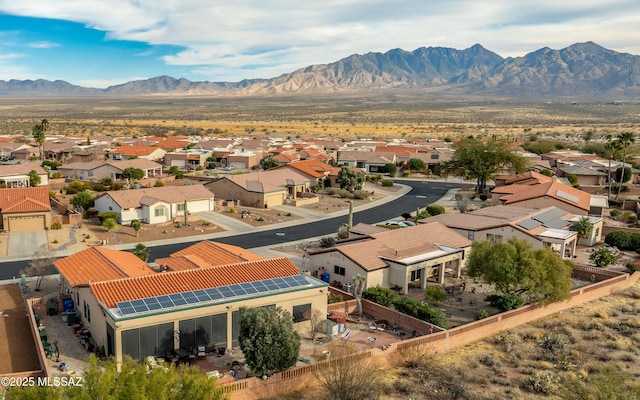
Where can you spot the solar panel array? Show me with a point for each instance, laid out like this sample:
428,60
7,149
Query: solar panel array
549,215
529,224
209,295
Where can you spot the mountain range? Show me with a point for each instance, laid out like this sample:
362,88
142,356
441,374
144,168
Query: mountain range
580,70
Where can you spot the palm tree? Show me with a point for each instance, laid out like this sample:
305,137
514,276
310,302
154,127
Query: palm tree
39,134
583,226
625,139
612,147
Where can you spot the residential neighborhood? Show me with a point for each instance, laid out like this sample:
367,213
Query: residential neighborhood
186,307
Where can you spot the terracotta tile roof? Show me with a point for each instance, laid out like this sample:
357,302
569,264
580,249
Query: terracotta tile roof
113,291
556,190
366,229
402,243
526,178
286,158
141,163
97,264
380,157
268,181
170,194
170,144
313,168
24,199
206,254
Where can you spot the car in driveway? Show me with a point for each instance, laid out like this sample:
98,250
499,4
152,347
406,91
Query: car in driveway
402,224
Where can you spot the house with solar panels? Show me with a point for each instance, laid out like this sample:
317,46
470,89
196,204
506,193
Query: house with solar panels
191,299
548,227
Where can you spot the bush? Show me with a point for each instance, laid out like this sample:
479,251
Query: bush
483,197
540,382
421,310
56,225
615,213
629,217
405,215
343,193
406,174
334,298
380,295
108,214
623,240
506,302
386,183
435,209
481,314
434,294
330,191
327,241
361,194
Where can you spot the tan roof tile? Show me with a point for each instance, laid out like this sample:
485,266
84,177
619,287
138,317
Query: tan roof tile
206,254
24,199
171,194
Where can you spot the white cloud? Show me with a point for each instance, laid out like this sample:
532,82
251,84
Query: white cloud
43,45
255,38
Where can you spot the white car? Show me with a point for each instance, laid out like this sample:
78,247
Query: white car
399,223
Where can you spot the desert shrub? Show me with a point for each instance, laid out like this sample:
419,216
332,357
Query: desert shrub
435,209
56,225
343,193
343,232
421,310
406,174
623,240
506,302
629,217
108,214
334,298
232,210
158,184
330,191
488,360
327,241
260,219
481,314
615,213
406,215
552,342
380,295
434,294
540,382
386,183
361,194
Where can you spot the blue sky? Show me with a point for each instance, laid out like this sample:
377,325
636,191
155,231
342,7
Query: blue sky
97,43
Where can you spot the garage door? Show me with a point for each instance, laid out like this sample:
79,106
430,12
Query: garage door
27,223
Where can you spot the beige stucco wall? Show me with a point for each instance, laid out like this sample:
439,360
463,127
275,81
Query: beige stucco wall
544,202
223,188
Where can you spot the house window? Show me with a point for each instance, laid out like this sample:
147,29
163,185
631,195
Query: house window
181,207
90,173
301,312
339,270
159,212
470,235
597,232
415,275
494,238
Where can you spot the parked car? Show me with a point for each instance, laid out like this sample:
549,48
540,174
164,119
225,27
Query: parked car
402,224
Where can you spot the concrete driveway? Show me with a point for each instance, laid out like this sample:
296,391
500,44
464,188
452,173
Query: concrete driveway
24,244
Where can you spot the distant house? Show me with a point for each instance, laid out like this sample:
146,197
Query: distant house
367,161
25,209
191,159
155,205
546,227
396,258
241,159
17,175
316,170
26,153
533,190
262,188
128,152
113,169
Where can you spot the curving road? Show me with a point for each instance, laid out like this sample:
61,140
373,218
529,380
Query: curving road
422,194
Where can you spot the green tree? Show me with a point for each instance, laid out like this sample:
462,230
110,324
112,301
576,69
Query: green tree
612,147
101,380
416,164
109,224
603,257
350,179
625,139
573,179
39,135
515,269
421,310
546,172
268,162
133,173
82,201
435,209
267,339
380,295
136,225
141,251
175,171
623,174
34,178
583,226
483,160
391,169
212,162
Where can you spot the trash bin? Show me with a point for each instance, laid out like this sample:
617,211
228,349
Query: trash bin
71,317
325,277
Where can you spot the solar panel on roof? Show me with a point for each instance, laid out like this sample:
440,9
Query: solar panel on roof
529,224
567,196
200,296
549,215
557,223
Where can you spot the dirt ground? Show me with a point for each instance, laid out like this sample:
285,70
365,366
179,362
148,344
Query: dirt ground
17,355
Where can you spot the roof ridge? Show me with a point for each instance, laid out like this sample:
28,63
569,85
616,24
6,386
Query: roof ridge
109,260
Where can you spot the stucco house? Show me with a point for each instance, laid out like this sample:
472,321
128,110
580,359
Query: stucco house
128,152
263,188
546,227
368,161
130,309
17,175
25,209
396,258
157,204
98,170
316,170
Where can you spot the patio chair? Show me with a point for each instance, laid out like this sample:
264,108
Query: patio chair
201,352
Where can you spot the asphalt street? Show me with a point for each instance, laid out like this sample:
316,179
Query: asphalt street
422,193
